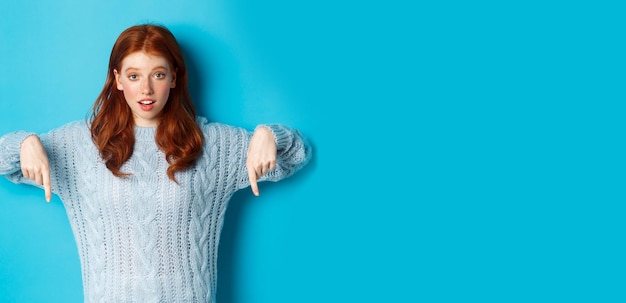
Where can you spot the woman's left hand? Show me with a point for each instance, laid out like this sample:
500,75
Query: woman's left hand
261,156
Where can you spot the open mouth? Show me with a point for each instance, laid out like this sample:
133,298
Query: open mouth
147,105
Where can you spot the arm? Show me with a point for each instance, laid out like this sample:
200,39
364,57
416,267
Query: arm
275,152
32,159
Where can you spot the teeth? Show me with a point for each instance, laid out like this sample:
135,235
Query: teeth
147,102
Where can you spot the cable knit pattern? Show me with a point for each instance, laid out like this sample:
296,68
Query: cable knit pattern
144,238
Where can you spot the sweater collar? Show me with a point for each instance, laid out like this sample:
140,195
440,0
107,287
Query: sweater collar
145,133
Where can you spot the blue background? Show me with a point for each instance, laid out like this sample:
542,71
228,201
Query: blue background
465,151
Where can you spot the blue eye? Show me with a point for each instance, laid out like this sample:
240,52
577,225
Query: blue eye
159,75
132,77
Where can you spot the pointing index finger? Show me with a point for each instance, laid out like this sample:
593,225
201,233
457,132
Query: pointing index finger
46,184
253,179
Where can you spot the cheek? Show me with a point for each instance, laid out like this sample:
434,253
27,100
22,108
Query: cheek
163,90
127,87
129,92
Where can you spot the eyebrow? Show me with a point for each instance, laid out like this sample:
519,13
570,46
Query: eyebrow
135,68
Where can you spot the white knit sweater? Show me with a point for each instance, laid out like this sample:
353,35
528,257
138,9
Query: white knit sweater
144,238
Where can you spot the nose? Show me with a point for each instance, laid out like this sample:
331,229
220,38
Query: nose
146,87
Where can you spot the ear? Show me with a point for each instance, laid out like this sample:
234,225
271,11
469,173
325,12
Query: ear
117,80
173,83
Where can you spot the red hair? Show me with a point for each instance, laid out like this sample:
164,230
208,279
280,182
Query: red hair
112,125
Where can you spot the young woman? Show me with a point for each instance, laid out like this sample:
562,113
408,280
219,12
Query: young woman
146,182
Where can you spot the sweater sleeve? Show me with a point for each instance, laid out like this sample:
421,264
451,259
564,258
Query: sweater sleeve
10,145
57,144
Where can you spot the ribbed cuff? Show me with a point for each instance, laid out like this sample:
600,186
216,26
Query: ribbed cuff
10,147
14,142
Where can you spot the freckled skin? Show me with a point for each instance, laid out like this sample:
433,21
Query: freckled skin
145,77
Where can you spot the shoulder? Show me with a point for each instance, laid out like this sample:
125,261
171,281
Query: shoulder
218,128
223,135
78,127
78,124
71,136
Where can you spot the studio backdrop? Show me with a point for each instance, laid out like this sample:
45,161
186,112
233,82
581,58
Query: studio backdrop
464,151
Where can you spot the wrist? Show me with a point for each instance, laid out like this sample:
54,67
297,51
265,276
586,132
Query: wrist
264,129
28,139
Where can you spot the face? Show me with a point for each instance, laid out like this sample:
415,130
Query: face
146,81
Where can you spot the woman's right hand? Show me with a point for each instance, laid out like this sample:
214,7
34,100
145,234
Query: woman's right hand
35,165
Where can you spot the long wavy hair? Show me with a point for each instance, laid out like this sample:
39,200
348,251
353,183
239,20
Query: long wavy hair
112,125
